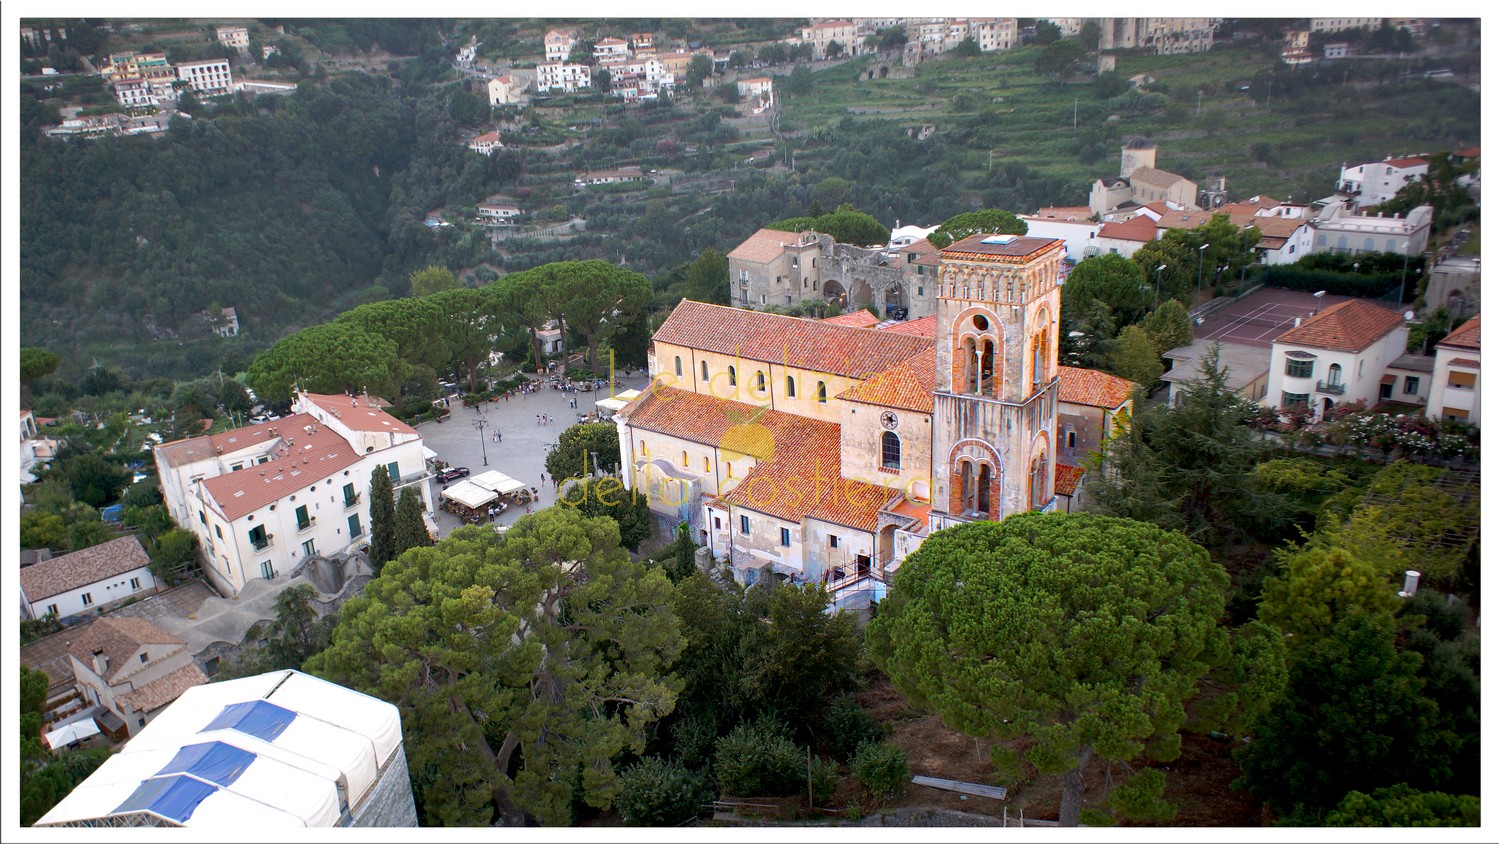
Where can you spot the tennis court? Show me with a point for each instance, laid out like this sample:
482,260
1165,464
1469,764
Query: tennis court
1263,316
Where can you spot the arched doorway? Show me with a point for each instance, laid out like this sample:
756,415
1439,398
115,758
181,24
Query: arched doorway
885,547
835,292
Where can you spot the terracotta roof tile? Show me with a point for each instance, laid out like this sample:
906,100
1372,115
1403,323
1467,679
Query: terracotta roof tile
1404,163
927,254
1466,336
1092,387
165,689
1468,363
695,417
303,458
764,246
1065,213
1141,229
803,466
855,319
802,343
852,503
906,386
1349,326
193,449
1153,176
1018,247
924,327
360,413
1066,478
118,638
80,568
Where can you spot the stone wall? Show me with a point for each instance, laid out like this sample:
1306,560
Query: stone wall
389,802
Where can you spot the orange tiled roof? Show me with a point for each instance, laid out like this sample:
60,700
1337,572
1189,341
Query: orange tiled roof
303,458
765,245
1092,387
1409,161
924,327
802,343
927,254
1153,176
360,413
1141,229
906,386
852,503
855,319
802,468
696,417
1466,336
192,449
1065,479
1349,326
1019,247
1065,213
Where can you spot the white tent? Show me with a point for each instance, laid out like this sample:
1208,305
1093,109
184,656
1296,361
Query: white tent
614,403
69,733
470,494
497,481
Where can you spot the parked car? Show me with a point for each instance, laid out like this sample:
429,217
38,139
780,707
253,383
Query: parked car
453,474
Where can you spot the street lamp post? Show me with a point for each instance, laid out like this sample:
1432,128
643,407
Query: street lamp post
1157,300
479,426
1200,273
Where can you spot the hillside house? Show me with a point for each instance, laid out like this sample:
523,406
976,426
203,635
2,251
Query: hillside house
1338,355
90,580
1455,376
133,670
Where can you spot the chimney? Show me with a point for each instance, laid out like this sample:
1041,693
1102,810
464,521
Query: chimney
1409,588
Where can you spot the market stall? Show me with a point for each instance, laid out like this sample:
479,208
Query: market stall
468,500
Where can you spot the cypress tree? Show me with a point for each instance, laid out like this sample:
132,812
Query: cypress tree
382,519
410,531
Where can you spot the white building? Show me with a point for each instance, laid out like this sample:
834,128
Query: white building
228,323
822,33
610,49
132,669
562,75
1343,24
210,76
1337,229
498,213
234,37
1372,184
1075,226
1125,238
486,144
1337,355
264,498
92,579
559,44
134,93
506,90
1455,381
271,753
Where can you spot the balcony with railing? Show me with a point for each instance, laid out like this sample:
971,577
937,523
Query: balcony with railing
306,524
352,500
262,542
1331,388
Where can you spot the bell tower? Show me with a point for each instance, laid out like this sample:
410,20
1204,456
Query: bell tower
995,399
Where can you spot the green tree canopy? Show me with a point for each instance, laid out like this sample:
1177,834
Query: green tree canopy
1354,719
708,278
1135,358
36,363
583,449
475,320
331,358
1085,633
417,326
1317,586
1168,326
1117,282
988,221
410,530
595,298
846,225
608,497
1402,805
523,666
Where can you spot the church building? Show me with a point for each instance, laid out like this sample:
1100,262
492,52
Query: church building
826,451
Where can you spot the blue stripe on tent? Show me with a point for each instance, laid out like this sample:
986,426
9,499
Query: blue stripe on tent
215,761
255,717
174,797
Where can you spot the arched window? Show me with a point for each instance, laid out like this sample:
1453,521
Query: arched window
678,360
706,467
732,381
760,381
643,448
1335,375
791,387
890,450
1072,438
1040,353
967,499
1038,480
684,458
984,489
705,370
822,393
728,470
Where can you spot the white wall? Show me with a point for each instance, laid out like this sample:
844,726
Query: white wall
103,593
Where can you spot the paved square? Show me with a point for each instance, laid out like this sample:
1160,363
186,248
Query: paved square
522,450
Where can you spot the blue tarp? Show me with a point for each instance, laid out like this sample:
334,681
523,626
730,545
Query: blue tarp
214,761
172,797
255,718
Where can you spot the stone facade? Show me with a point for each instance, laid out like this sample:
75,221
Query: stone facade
996,398
775,269
389,803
